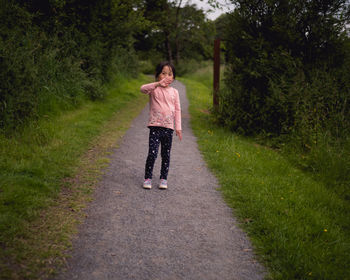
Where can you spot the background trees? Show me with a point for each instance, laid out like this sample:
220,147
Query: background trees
287,68
287,82
54,54
287,60
179,31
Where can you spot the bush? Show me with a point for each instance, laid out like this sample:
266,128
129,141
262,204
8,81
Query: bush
291,85
146,67
280,78
256,97
188,66
57,54
123,62
36,78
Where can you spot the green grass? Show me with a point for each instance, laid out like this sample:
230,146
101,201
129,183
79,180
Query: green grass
47,174
299,227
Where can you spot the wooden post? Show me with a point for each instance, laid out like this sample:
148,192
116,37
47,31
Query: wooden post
216,73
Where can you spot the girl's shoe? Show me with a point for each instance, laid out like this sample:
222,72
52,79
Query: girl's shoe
147,184
163,184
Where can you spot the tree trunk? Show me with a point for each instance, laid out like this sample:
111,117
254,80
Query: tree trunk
177,46
168,47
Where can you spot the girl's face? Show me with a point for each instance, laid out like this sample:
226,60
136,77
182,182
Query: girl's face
166,72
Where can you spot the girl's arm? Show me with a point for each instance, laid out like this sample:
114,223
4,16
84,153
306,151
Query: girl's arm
149,88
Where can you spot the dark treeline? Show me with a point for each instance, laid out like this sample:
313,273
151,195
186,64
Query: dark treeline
54,54
288,78
289,66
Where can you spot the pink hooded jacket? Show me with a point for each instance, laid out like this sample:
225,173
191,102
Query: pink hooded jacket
164,106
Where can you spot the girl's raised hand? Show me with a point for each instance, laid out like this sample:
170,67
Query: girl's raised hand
165,82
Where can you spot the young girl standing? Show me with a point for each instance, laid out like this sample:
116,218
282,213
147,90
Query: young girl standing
164,110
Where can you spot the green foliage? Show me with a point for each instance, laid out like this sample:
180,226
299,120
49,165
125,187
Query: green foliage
35,76
147,67
190,66
287,80
55,54
221,24
280,56
177,32
194,35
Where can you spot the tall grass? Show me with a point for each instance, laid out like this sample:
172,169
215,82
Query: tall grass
299,227
37,161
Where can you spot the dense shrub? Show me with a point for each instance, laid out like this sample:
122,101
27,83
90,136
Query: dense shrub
287,77
286,71
35,72
56,53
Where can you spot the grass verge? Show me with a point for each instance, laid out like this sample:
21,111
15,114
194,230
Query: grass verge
299,227
48,174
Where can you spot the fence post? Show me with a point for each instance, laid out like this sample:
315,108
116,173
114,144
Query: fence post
216,73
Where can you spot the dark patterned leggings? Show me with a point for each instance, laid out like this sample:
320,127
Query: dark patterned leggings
163,136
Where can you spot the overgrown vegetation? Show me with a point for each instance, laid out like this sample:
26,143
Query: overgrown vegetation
288,64
298,225
55,54
287,80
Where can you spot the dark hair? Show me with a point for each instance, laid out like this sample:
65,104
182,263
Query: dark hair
160,67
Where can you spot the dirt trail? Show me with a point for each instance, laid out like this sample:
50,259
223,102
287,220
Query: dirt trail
185,232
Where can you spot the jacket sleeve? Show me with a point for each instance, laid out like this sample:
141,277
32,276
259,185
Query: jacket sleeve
148,88
177,111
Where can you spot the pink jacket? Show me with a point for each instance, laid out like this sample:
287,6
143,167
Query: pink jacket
164,106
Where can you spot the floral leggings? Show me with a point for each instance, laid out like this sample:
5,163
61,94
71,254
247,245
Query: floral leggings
163,136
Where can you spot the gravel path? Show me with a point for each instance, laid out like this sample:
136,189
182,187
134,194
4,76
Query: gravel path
185,232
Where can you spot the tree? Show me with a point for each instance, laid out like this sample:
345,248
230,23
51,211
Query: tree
277,50
179,30
62,51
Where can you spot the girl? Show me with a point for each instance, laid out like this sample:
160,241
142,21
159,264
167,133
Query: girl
164,111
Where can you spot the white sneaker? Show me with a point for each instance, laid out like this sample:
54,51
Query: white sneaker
147,184
163,184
